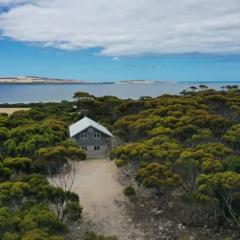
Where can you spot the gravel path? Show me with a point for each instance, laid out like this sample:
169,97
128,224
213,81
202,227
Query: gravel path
103,201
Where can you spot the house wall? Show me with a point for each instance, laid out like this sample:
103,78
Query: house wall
104,142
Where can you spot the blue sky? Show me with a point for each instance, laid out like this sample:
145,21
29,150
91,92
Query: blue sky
101,41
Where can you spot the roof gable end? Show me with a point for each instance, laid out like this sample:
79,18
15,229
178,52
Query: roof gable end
85,123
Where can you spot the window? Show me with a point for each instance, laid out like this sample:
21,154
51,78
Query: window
96,148
84,148
84,136
97,135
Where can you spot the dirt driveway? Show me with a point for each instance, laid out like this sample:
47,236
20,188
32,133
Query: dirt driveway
103,201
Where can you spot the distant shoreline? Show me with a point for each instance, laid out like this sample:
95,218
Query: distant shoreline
51,83
203,82
120,83
33,80
55,92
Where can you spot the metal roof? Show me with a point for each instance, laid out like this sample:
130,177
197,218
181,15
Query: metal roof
84,123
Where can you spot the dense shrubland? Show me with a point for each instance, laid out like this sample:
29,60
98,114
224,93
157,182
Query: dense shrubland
184,148
34,145
187,145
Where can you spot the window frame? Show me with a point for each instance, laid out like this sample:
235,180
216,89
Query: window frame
84,136
96,148
97,135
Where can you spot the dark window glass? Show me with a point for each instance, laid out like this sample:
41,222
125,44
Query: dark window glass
97,135
84,135
96,148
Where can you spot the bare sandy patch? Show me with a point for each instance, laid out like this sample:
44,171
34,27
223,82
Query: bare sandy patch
10,111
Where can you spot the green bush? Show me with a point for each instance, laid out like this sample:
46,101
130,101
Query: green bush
119,162
11,236
38,234
129,191
72,211
93,236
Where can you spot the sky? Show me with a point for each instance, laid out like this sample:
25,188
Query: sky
106,40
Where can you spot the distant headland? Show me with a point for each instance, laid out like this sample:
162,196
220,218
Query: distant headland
38,80
45,80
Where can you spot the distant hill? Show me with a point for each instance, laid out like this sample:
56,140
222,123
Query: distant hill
45,80
37,80
138,82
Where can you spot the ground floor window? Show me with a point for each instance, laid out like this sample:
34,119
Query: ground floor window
84,148
96,148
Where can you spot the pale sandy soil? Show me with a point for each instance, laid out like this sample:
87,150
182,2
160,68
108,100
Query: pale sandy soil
103,201
12,110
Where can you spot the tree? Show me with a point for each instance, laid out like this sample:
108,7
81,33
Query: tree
65,203
38,234
52,159
7,221
82,95
193,88
11,236
203,87
185,132
200,137
218,150
10,147
161,179
4,134
192,162
40,216
232,137
3,120
18,164
93,236
12,194
224,189
5,173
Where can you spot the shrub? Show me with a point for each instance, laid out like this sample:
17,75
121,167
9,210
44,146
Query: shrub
93,236
129,191
119,162
38,234
72,211
11,236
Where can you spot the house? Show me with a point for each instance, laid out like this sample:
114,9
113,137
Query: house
94,138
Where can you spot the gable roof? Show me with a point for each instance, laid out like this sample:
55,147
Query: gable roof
84,123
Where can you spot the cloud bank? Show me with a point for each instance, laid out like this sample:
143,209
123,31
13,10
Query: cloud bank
126,28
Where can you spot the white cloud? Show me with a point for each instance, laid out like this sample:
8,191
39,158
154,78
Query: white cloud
126,28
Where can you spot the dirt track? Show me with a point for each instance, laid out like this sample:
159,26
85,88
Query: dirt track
103,201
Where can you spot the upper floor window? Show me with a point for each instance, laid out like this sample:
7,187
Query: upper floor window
84,135
97,135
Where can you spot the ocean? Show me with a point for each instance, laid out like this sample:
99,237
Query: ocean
26,93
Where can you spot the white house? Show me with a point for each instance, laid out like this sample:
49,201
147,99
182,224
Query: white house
93,137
